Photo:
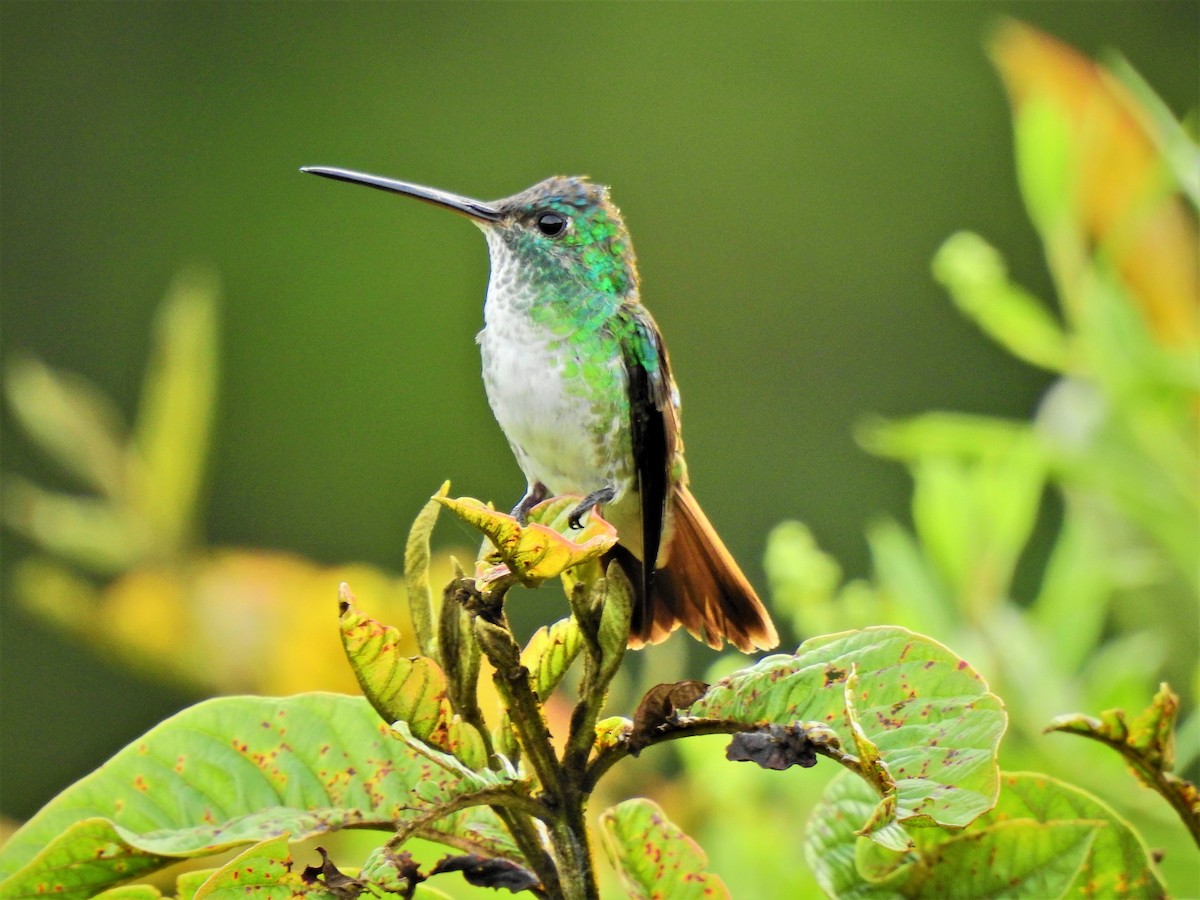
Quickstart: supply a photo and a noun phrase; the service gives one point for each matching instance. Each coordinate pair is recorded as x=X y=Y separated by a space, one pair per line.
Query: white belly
x=563 y=434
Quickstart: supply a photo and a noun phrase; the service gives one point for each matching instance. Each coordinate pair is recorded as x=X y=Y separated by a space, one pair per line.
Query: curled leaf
x=612 y=732
x=775 y=747
x=1147 y=744
x=416 y=573
x=490 y=872
x=543 y=548
x=657 y=710
x=550 y=653
x=329 y=876
x=407 y=689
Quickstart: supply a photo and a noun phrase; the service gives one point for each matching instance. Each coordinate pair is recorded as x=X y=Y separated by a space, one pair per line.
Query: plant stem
x=564 y=801
x=1180 y=794
x=610 y=756
x=570 y=838
x=529 y=841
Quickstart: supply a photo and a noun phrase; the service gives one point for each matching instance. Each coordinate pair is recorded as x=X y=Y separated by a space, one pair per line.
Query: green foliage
x=920 y=808
x=1147 y=743
x=923 y=711
x=1042 y=838
x=238 y=770
x=1113 y=606
x=143 y=485
x=677 y=867
x=417 y=759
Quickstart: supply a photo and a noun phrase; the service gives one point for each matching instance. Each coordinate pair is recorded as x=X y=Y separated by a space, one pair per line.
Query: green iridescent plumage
x=579 y=380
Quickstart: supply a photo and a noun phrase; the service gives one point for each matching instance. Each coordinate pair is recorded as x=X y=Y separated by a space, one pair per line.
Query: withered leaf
x=487 y=871
x=774 y=747
x=336 y=882
x=658 y=708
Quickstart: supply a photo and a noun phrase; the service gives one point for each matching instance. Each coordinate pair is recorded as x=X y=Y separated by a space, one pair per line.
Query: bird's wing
x=654 y=417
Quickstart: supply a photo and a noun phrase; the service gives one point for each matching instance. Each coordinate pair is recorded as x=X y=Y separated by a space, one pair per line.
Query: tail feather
x=700 y=588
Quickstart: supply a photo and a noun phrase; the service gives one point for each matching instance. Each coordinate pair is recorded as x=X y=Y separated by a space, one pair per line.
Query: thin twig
x=611 y=755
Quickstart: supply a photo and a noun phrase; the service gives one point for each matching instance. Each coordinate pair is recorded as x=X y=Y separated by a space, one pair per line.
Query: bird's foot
x=592 y=500
x=535 y=495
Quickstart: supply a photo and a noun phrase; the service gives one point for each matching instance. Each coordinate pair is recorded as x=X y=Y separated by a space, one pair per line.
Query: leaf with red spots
x=926 y=713
x=256 y=768
x=405 y=689
x=654 y=858
x=1044 y=838
x=543 y=548
x=261 y=872
x=550 y=653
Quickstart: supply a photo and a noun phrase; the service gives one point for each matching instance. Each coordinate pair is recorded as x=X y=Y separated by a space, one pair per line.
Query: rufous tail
x=701 y=588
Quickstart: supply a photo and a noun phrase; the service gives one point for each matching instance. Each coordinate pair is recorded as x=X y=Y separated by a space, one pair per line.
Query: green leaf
x=653 y=857
x=170 y=438
x=931 y=716
x=1043 y=839
x=1147 y=744
x=88 y=531
x=1119 y=864
x=233 y=771
x=1018 y=858
x=261 y=872
x=191 y=881
x=89 y=854
x=412 y=690
x=803 y=578
x=416 y=573
x=1079 y=581
x=940 y=434
x=974 y=273
x=73 y=422
x=1177 y=147
x=1046 y=164
x=907 y=582
x=550 y=653
x=978 y=489
x=615 y=598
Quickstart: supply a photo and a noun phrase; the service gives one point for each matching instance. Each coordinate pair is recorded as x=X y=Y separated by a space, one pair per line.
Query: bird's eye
x=551 y=224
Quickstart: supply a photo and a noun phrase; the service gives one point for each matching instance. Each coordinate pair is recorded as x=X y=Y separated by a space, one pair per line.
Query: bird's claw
x=590 y=502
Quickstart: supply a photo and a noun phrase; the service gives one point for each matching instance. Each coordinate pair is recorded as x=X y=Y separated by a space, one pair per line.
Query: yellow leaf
x=543 y=548
x=1123 y=191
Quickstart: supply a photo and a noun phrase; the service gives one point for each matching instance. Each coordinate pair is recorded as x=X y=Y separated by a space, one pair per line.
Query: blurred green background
x=787 y=172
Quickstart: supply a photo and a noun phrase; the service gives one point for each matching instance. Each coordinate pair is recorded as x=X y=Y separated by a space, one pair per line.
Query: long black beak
x=476 y=209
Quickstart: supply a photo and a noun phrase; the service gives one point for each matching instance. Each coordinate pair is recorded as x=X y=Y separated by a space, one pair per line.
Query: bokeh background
x=787 y=171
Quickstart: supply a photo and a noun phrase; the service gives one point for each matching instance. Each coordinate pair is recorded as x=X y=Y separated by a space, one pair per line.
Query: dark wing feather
x=654 y=425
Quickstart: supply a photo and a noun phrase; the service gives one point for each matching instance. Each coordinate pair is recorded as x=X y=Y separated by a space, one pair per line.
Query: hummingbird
x=578 y=378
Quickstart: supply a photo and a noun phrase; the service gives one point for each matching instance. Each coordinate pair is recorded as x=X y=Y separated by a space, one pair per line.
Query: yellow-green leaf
x=416 y=573
x=72 y=420
x=543 y=548
x=412 y=690
x=170 y=440
x=653 y=856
